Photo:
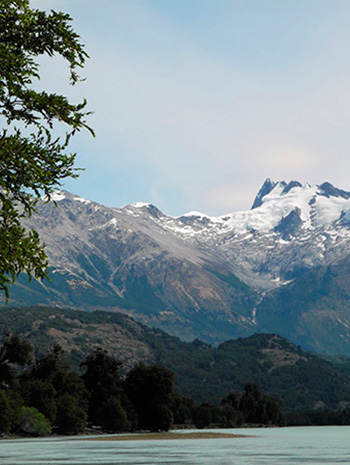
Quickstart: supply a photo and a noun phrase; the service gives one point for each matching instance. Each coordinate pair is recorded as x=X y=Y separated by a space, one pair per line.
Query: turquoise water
x=280 y=446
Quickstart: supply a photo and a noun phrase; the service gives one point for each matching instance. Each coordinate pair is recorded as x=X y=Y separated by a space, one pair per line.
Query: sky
x=196 y=102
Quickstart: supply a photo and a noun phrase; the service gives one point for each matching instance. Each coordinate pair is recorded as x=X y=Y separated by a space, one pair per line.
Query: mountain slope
x=201 y=276
x=104 y=258
x=313 y=310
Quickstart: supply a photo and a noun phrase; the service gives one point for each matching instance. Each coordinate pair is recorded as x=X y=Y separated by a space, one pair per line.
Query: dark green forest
x=56 y=377
x=43 y=395
x=203 y=374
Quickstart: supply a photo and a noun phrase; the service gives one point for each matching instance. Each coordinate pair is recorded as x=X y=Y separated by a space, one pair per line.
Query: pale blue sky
x=196 y=102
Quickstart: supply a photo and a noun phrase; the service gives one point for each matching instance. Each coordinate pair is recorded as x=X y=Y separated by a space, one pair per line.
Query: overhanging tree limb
x=33 y=162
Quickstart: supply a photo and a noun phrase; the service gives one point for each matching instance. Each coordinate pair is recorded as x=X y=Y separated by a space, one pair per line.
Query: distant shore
x=157 y=436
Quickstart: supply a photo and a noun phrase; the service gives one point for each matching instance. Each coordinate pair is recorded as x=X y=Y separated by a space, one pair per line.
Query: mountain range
x=281 y=267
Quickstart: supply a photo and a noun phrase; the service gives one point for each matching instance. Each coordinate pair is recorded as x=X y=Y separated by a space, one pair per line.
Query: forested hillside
x=300 y=379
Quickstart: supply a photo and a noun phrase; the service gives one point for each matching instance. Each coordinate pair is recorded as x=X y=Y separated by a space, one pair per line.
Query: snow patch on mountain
x=57 y=196
x=291 y=228
x=140 y=205
x=60 y=195
x=276 y=202
x=80 y=199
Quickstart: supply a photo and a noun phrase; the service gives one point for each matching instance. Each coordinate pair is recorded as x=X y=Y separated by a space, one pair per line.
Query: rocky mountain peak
x=328 y=190
x=325 y=189
x=265 y=189
x=138 y=208
x=279 y=188
x=290 y=186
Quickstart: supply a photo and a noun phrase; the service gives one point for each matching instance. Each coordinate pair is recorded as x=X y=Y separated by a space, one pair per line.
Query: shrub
x=33 y=422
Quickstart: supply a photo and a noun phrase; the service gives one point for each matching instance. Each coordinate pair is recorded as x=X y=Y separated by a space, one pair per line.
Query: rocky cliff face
x=195 y=275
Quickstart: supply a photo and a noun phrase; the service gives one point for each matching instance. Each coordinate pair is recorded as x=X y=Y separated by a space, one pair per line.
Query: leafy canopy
x=33 y=160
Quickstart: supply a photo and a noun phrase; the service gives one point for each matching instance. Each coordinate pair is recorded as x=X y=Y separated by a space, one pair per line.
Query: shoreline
x=166 y=436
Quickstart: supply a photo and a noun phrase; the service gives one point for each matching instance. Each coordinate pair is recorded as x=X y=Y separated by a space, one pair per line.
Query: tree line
x=40 y=395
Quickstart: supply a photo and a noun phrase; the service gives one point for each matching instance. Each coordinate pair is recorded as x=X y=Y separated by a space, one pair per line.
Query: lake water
x=277 y=446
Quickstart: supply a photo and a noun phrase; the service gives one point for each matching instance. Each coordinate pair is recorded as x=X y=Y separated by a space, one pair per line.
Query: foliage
x=46 y=395
x=14 y=351
x=71 y=416
x=150 y=389
x=33 y=422
x=320 y=417
x=182 y=408
x=300 y=379
x=237 y=409
x=5 y=412
x=206 y=374
x=102 y=380
x=202 y=415
x=40 y=394
x=260 y=408
x=113 y=416
x=33 y=158
x=53 y=388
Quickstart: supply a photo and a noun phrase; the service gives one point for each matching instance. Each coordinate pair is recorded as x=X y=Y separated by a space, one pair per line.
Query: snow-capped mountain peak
x=291 y=227
x=61 y=195
x=194 y=269
x=138 y=209
x=316 y=205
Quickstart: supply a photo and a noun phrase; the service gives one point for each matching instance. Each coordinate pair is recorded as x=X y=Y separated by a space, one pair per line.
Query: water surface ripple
x=275 y=446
